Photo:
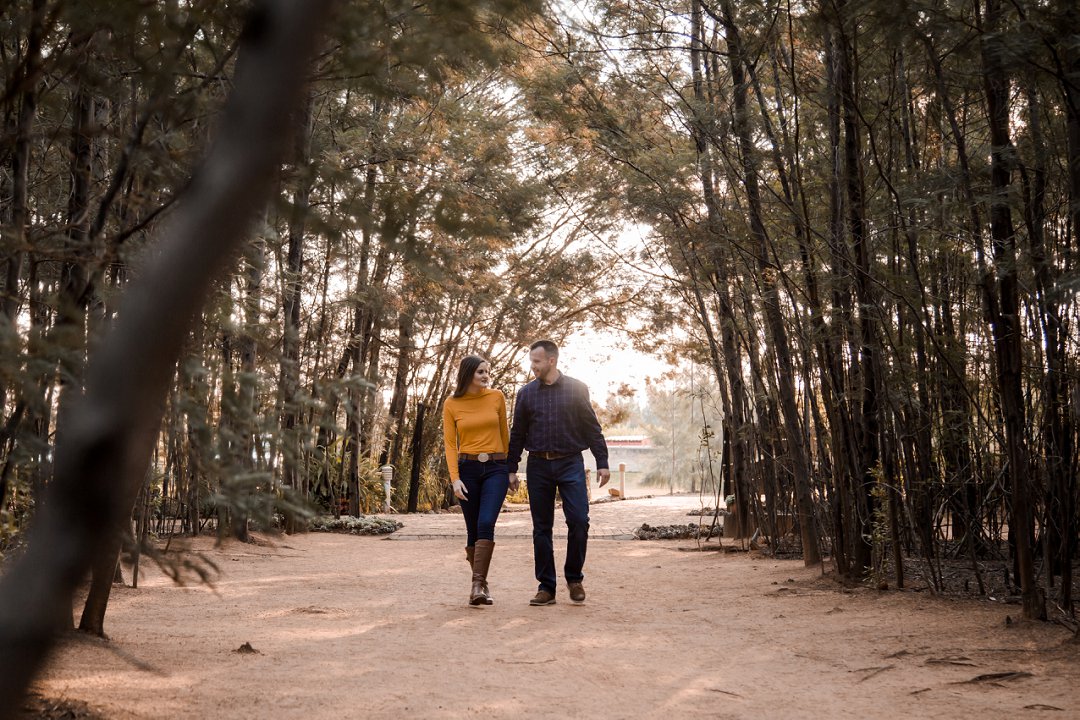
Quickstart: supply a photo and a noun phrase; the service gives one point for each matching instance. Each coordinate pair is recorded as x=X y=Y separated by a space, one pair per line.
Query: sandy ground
x=348 y=626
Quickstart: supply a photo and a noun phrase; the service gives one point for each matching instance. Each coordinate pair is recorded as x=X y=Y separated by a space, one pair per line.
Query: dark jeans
x=544 y=477
x=486 y=485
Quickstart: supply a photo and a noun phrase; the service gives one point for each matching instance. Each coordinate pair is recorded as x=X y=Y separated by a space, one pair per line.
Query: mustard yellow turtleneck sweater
x=474 y=424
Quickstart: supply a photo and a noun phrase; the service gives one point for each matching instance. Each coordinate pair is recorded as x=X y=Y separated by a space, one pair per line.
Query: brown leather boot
x=481 y=562
x=469 y=555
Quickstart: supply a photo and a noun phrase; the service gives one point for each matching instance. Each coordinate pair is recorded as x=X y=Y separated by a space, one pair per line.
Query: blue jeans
x=543 y=478
x=486 y=485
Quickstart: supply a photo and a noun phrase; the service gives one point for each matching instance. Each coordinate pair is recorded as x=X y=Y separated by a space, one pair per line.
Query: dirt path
x=369 y=627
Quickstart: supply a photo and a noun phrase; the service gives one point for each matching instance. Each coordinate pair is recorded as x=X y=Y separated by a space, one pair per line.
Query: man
x=555 y=422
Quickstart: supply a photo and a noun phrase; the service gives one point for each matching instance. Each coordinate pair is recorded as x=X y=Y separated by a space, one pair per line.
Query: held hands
x=459 y=490
x=604 y=474
x=514 y=482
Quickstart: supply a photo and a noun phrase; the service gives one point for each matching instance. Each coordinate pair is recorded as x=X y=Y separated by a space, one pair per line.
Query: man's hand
x=604 y=474
x=514 y=482
x=459 y=490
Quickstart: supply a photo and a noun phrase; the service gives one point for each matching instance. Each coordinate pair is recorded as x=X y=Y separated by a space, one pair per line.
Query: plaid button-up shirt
x=556 y=418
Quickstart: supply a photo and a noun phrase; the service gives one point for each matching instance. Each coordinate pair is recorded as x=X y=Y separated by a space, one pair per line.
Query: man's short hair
x=550 y=348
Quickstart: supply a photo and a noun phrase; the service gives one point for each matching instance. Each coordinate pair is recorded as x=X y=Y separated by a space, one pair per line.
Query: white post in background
x=588 y=484
x=387 y=477
x=622 y=480
x=671 y=479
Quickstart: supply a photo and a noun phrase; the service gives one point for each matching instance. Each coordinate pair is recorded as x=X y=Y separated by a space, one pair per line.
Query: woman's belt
x=482 y=457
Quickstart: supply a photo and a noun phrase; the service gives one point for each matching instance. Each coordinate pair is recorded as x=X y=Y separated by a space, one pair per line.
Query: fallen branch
x=876 y=671
x=995 y=677
x=951 y=660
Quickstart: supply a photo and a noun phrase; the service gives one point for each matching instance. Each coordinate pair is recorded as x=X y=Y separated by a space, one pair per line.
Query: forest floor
x=336 y=626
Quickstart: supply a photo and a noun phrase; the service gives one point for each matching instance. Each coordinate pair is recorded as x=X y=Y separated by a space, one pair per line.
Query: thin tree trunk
x=417 y=459
x=254 y=268
x=289 y=384
x=1057 y=432
x=846 y=447
x=1005 y=309
x=392 y=444
x=869 y=362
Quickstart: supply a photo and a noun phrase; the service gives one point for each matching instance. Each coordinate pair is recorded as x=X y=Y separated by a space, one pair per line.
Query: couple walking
x=555 y=422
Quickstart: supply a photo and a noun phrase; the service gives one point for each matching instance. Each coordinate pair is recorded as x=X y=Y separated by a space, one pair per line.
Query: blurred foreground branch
x=102 y=453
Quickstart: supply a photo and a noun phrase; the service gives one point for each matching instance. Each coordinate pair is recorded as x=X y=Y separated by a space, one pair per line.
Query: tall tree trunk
x=356 y=348
x=71 y=323
x=959 y=433
x=915 y=415
x=846 y=447
x=869 y=363
x=1005 y=308
x=289 y=383
x=1055 y=421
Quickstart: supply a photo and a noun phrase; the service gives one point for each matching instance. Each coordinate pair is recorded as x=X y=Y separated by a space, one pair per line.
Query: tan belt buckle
x=483 y=457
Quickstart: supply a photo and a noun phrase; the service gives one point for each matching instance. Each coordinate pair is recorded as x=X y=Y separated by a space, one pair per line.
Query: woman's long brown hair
x=465 y=373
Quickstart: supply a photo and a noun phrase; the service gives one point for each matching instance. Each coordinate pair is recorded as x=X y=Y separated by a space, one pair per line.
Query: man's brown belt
x=550 y=455
x=482 y=457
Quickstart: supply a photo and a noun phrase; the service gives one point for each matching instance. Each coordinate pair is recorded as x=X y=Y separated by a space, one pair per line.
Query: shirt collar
x=558 y=380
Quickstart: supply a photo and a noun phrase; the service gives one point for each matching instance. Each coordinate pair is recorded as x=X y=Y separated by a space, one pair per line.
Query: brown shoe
x=470 y=553
x=481 y=562
x=543 y=597
x=577 y=592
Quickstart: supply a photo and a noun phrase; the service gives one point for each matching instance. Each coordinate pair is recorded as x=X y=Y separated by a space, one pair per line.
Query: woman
x=476 y=436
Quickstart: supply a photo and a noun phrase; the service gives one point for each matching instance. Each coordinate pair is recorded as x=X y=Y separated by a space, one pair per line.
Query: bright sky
x=603 y=360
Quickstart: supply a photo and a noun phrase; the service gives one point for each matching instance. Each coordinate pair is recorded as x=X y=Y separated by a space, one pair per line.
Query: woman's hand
x=459 y=490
